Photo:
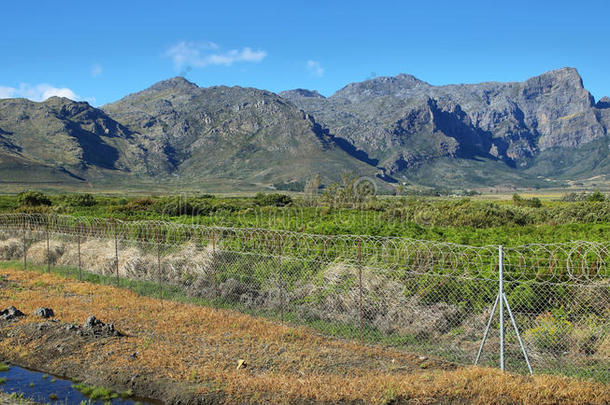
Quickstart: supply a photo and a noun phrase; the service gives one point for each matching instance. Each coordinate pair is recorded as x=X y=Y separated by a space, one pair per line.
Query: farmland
x=413 y=275
x=186 y=351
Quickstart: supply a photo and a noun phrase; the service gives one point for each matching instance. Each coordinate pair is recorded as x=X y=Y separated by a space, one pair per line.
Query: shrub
x=596 y=196
x=33 y=199
x=291 y=186
x=551 y=334
x=176 y=206
x=81 y=200
x=525 y=202
x=273 y=199
x=523 y=298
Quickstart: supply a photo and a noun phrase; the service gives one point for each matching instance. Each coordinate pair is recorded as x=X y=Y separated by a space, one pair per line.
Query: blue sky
x=101 y=51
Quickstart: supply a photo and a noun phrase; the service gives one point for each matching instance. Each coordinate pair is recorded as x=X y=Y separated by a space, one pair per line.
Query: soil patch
x=181 y=353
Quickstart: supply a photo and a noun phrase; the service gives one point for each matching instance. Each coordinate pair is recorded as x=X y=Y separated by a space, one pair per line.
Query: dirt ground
x=185 y=354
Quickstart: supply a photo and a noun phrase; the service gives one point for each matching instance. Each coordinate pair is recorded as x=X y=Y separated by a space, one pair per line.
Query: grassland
x=472 y=221
x=183 y=343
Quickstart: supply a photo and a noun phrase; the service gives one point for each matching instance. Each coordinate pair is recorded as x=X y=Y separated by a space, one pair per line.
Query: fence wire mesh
x=428 y=297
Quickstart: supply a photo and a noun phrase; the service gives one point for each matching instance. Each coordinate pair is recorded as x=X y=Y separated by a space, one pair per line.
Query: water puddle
x=45 y=388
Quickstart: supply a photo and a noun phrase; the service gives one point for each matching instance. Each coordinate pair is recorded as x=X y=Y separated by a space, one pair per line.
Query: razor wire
x=431 y=297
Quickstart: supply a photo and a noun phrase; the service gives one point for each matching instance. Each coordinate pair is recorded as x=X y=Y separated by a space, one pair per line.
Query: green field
x=474 y=221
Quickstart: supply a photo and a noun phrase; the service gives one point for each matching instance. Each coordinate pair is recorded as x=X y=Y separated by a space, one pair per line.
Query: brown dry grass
x=284 y=364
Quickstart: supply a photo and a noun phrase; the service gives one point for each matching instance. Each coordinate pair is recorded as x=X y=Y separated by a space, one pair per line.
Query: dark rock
x=44 y=312
x=603 y=103
x=10 y=313
x=92 y=322
x=98 y=328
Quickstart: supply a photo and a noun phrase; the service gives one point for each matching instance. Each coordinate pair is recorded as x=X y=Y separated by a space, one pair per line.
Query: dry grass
x=284 y=364
x=10 y=249
x=37 y=253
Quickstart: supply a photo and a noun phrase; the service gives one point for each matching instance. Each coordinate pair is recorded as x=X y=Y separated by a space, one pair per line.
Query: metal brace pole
x=503 y=300
x=491 y=316
x=512 y=318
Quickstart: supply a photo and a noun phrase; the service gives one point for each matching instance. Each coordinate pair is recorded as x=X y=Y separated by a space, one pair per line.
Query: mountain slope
x=229 y=132
x=544 y=131
x=406 y=124
x=63 y=136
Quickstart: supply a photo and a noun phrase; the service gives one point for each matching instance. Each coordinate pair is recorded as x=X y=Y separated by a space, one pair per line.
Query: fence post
x=279 y=271
x=116 y=252
x=501 y=293
x=360 y=288
x=80 y=264
x=25 y=249
x=48 y=245
x=159 y=275
x=214 y=270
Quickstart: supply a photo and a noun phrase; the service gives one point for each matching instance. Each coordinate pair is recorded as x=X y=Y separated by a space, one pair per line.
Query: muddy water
x=45 y=388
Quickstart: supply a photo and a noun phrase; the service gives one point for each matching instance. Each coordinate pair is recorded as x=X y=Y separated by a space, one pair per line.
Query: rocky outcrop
x=10 y=313
x=392 y=118
x=389 y=127
x=603 y=103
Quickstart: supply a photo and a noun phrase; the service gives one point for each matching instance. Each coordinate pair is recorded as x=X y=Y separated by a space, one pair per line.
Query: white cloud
x=315 y=68
x=39 y=92
x=96 y=70
x=202 y=54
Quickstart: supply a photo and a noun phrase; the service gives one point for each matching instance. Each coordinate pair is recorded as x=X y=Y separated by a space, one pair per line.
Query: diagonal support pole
x=512 y=318
x=491 y=316
x=502 y=300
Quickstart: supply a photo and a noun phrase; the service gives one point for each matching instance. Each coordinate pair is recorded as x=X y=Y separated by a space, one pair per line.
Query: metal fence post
x=116 y=252
x=159 y=275
x=48 y=245
x=501 y=294
x=80 y=263
x=502 y=300
x=25 y=249
x=214 y=270
x=360 y=288
x=279 y=271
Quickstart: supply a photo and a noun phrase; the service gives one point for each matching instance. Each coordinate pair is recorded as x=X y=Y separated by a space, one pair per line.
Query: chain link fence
x=427 y=297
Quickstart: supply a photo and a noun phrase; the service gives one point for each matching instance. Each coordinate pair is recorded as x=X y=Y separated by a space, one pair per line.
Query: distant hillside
x=422 y=132
x=545 y=131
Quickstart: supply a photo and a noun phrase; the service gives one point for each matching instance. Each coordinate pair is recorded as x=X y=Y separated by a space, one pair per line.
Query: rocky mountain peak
x=603 y=102
x=177 y=82
x=300 y=93
x=380 y=86
x=567 y=77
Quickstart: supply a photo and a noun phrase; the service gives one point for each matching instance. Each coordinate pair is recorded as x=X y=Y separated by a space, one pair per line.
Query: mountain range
x=545 y=131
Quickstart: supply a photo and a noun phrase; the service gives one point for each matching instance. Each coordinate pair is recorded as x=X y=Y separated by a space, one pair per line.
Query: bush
x=273 y=199
x=176 y=206
x=81 y=200
x=292 y=186
x=33 y=199
x=526 y=202
x=551 y=335
x=596 y=196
